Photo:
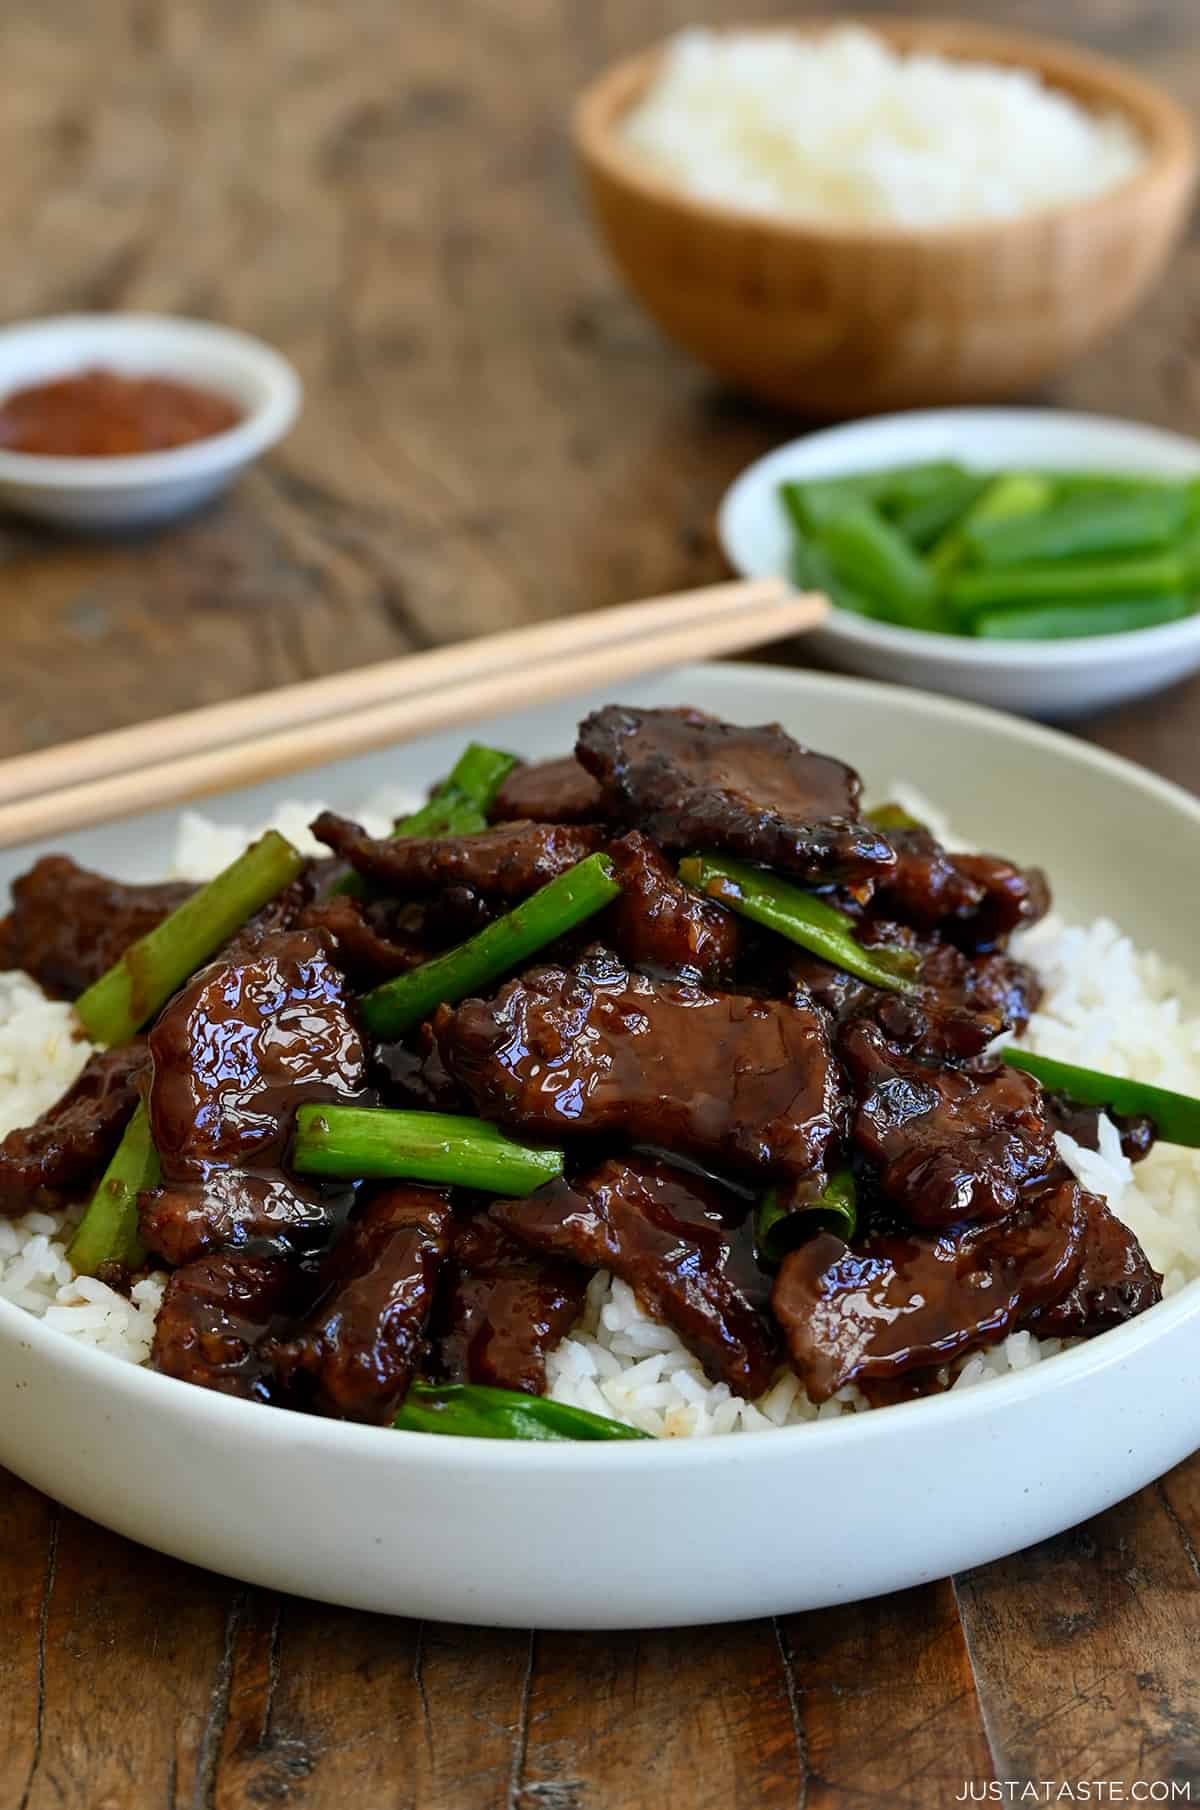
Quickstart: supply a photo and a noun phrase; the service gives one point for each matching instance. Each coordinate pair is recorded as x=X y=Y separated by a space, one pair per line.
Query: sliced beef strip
x=964 y=1001
x=358 y=1349
x=670 y=1237
x=1115 y=1282
x=897 y=1302
x=748 y=1084
x=549 y=791
x=248 y=1040
x=507 y=862
x=950 y=1144
x=214 y=1318
x=692 y=782
x=380 y=938
x=67 y=926
x=502 y=1308
x=661 y=925
x=976 y=900
x=65 y=1151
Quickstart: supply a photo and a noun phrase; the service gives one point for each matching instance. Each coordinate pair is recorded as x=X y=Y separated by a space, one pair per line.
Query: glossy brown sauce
x=100 y=414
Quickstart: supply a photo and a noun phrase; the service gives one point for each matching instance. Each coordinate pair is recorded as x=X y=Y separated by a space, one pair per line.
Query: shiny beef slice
x=949 y=1144
x=961 y=1004
x=691 y=782
x=671 y=1238
x=66 y=1150
x=748 y=1084
x=356 y=1353
x=214 y=1317
x=507 y=862
x=502 y=1308
x=548 y=791
x=1115 y=1282
x=976 y=900
x=67 y=926
x=660 y=924
x=247 y=1041
x=903 y=1301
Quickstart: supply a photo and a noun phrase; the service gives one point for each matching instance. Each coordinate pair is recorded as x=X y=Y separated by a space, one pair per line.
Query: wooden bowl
x=841 y=320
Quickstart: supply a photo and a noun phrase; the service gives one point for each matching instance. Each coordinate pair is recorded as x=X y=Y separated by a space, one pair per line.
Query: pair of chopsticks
x=200 y=752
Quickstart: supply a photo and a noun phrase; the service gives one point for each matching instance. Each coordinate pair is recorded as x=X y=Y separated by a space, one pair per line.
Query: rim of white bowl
x=863 y=631
x=470 y=1453
x=97 y=337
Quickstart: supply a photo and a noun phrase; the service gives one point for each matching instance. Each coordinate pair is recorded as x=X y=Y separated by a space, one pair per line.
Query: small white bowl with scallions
x=1037 y=561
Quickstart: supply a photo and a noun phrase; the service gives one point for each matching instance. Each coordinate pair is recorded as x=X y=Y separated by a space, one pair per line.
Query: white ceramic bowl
x=140 y=490
x=1038 y=678
x=643 y=1535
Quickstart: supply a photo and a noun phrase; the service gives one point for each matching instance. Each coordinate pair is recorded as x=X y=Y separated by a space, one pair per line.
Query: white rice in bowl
x=1107 y=1005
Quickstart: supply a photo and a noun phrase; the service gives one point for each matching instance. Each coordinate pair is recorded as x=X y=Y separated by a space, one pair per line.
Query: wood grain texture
x=493 y=434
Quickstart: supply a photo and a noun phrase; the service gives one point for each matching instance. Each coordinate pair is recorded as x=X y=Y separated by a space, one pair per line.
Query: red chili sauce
x=100 y=414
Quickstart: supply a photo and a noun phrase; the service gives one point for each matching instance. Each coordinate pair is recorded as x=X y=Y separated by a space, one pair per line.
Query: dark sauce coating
x=674 y=1240
x=214 y=1317
x=67 y=926
x=65 y=1151
x=962 y=1003
x=1115 y=1282
x=102 y=414
x=502 y=1308
x=949 y=1144
x=507 y=862
x=379 y=938
x=661 y=925
x=358 y=1349
x=247 y=1042
x=904 y=1301
x=975 y=900
x=692 y=782
x=1083 y=1124
x=595 y=1049
x=548 y=791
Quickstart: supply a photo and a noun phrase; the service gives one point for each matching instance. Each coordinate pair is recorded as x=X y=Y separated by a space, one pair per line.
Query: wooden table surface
x=492 y=433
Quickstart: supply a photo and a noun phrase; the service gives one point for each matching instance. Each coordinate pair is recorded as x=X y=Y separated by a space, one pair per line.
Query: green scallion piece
x=782 y=1221
x=1068 y=581
x=1013 y=494
x=470 y=1410
x=144 y=978
x=1073 y=621
x=1175 y=1117
x=1081 y=526
x=799 y=916
x=873 y=558
x=108 y=1231
x=447 y=1149
x=390 y=1010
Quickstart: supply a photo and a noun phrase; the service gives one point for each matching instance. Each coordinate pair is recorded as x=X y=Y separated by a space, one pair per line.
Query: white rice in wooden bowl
x=1107 y=1005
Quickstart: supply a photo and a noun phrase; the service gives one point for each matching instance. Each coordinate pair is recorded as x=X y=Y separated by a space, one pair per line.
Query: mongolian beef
x=674 y=1008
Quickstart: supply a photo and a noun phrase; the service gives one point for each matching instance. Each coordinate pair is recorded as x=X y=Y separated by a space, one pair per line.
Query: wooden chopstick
x=94 y=757
x=686 y=627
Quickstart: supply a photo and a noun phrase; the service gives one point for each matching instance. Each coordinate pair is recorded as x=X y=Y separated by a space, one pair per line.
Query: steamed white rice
x=1108 y=1005
x=842 y=127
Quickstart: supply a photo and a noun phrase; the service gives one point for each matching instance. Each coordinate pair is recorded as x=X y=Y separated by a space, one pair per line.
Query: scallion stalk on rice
x=473 y=1411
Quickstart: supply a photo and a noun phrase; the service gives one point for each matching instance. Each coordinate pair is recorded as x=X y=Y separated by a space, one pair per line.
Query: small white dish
x=691 y=1530
x=1037 y=678
x=140 y=490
